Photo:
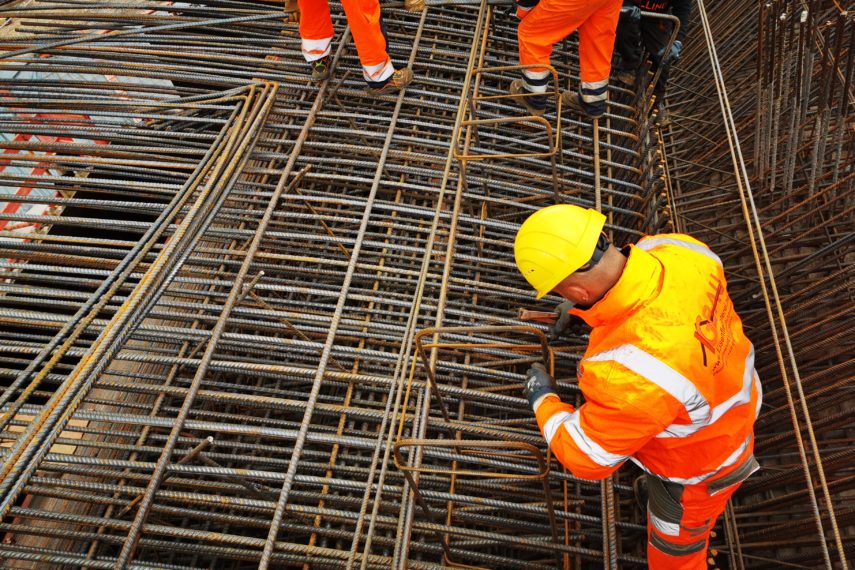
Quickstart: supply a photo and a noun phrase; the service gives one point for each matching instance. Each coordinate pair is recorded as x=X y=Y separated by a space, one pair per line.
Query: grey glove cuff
x=631 y=12
x=538 y=383
x=535 y=395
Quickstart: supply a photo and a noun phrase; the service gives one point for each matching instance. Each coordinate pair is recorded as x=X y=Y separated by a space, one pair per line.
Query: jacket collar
x=639 y=284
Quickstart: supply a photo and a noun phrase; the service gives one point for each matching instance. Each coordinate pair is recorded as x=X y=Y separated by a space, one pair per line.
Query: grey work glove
x=631 y=12
x=538 y=382
x=563 y=322
x=672 y=55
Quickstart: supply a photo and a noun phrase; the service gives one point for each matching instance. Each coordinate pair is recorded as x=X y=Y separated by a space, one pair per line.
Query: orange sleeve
x=595 y=440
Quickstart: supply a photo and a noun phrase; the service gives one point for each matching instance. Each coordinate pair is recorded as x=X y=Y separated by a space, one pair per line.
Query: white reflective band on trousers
x=379 y=72
x=314 y=50
x=536 y=81
x=589 y=447
x=666 y=528
x=593 y=91
x=532 y=74
x=650 y=243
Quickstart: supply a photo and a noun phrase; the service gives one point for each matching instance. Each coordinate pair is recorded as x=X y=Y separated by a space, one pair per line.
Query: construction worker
x=636 y=35
x=369 y=35
x=668 y=375
x=545 y=22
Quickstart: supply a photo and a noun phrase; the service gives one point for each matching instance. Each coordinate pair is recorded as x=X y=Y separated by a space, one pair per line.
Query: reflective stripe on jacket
x=668 y=376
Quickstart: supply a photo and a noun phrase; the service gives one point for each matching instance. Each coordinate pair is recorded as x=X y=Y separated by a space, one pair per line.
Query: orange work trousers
x=363 y=16
x=553 y=20
x=678 y=538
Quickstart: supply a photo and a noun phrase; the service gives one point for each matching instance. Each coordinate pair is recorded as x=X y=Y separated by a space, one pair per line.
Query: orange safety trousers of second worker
x=686 y=547
x=363 y=16
x=553 y=20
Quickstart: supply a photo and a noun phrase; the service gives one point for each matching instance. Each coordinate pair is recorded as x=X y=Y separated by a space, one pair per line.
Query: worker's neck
x=587 y=287
x=610 y=269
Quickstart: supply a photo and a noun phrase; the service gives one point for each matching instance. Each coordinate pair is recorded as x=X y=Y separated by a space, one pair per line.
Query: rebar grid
x=225 y=394
x=209 y=341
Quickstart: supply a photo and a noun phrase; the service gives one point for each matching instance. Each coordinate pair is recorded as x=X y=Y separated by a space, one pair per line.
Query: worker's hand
x=563 y=322
x=524 y=7
x=538 y=383
x=632 y=13
x=672 y=55
x=676 y=48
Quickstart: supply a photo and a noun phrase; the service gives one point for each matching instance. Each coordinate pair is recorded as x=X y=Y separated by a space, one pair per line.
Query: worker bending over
x=369 y=35
x=545 y=22
x=668 y=375
x=636 y=34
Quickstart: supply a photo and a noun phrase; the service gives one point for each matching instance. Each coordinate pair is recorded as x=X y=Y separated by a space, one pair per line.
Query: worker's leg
x=628 y=38
x=368 y=35
x=655 y=35
x=316 y=29
x=596 y=44
x=547 y=23
x=679 y=521
x=628 y=44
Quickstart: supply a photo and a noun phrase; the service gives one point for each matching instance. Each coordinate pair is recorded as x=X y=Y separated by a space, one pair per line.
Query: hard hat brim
x=554 y=242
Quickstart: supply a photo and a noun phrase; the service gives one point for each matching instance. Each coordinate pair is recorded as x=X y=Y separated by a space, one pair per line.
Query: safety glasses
x=599 y=250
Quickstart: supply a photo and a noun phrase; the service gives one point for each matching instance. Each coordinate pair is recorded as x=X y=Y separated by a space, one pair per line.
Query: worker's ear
x=573 y=292
x=581 y=295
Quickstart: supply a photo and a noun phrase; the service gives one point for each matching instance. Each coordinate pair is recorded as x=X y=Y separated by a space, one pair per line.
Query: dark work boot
x=534 y=104
x=574 y=102
x=397 y=81
x=321 y=68
x=626 y=75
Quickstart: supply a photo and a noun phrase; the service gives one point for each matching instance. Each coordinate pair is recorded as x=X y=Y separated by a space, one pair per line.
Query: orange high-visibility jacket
x=668 y=376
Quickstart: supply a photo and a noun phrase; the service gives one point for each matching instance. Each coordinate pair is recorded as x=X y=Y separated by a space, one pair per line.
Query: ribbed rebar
x=168 y=279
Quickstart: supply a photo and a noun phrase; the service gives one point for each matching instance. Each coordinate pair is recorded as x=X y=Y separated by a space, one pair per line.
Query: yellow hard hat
x=554 y=242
